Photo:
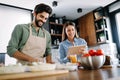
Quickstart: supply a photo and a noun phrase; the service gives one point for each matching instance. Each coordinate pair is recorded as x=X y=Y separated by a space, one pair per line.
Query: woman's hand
x=82 y=50
x=68 y=56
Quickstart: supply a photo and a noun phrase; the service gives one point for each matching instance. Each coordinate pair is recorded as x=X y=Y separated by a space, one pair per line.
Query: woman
x=70 y=38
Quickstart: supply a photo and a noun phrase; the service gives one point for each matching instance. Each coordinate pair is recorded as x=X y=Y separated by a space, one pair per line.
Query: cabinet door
x=87 y=29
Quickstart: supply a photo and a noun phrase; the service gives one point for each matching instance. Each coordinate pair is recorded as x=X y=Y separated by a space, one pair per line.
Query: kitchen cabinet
x=56 y=26
x=101 y=28
x=87 y=28
x=94 y=27
x=55 y=29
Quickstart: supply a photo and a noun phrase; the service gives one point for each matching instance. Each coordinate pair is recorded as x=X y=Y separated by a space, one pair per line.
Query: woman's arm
x=63 y=55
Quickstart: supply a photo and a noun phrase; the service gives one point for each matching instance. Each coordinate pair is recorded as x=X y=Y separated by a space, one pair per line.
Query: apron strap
x=30 y=29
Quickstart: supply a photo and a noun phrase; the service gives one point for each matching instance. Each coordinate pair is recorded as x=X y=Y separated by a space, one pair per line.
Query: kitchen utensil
x=92 y=62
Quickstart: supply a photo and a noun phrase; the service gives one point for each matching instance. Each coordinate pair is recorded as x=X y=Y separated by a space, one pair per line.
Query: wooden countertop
x=81 y=74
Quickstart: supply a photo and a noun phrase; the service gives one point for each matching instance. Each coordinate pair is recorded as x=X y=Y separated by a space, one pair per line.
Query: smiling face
x=70 y=32
x=41 y=18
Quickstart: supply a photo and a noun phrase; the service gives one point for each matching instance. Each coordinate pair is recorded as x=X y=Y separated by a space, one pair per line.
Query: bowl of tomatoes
x=93 y=59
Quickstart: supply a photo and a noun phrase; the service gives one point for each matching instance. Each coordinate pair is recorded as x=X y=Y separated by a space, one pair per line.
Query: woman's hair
x=64 y=35
x=42 y=8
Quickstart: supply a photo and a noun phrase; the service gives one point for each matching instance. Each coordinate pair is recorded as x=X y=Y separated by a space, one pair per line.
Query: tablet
x=75 y=49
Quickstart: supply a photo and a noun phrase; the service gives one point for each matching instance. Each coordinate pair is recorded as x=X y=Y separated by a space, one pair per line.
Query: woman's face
x=70 y=31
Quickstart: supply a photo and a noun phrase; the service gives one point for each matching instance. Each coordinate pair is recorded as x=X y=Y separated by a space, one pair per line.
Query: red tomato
x=99 y=52
x=92 y=52
x=86 y=55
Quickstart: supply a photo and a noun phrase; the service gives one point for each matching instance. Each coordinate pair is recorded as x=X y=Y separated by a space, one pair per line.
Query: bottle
x=56 y=21
x=57 y=41
x=52 y=31
x=60 y=21
x=54 y=42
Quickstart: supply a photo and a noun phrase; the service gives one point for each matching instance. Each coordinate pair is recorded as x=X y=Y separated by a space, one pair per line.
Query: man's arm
x=49 y=59
x=21 y=56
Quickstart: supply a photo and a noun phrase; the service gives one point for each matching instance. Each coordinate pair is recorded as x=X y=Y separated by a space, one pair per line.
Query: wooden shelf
x=99 y=30
x=100 y=21
x=100 y=18
x=102 y=42
x=53 y=23
x=56 y=34
x=56 y=28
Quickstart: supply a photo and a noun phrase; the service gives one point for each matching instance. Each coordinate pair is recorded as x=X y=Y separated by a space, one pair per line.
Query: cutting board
x=32 y=74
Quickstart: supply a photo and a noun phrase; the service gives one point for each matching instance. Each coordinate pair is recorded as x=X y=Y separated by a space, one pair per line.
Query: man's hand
x=49 y=60
x=21 y=56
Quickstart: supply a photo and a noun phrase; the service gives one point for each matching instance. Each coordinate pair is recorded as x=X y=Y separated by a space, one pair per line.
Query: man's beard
x=37 y=23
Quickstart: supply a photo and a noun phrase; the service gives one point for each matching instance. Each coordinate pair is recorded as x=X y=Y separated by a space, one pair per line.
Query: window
x=114 y=15
x=9 y=17
x=117 y=17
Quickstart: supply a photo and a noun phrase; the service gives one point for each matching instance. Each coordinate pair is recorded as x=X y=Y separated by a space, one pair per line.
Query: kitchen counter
x=81 y=74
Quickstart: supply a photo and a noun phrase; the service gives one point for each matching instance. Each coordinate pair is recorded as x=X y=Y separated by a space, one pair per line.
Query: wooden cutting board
x=32 y=74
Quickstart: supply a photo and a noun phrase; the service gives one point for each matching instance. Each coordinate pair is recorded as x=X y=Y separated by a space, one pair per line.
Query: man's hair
x=42 y=8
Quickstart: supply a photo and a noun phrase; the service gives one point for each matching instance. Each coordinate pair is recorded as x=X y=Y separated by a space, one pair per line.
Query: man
x=31 y=42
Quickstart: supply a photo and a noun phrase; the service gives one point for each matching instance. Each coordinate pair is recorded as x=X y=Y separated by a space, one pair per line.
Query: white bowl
x=67 y=66
x=93 y=62
x=42 y=67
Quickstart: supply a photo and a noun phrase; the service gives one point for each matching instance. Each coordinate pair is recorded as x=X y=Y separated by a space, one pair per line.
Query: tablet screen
x=75 y=49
